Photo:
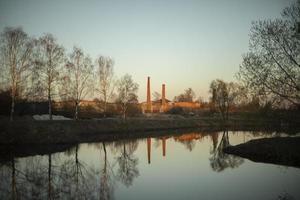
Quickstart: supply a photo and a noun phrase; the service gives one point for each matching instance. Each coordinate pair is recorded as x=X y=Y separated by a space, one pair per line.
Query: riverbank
x=279 y=150
x=28 y=131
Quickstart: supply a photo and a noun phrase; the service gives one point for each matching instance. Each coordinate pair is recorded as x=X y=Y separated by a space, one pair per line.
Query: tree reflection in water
x=57 y=176
x=220 y=160
x=13 y=179
x=77 y=179
x=127 y=162
x=31 y=179
x=189 y=144
x=106 y=178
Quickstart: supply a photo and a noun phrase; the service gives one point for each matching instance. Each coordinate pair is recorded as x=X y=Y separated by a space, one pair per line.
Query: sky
x=181 y=43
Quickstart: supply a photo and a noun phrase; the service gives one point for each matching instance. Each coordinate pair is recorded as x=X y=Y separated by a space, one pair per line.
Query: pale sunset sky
x=182 y=43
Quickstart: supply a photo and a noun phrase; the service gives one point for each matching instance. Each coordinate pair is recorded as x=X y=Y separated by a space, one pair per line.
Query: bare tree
x=156 y=95
x=272 y=65
x=127 y=93
x=50 y=58
x=187 y=96
x=106 y=80
x=223 y=96
x=78 y=81
x=16 y=50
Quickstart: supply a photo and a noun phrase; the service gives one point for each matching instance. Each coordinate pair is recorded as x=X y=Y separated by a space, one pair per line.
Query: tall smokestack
x=148 y=95
x=163 y=94
x=163 y=98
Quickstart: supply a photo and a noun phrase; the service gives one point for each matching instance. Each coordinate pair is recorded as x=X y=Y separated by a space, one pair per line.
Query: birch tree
x=49 y=62
x=16 y=51
x=78 y=80
x=127 y=93
x=106 y=83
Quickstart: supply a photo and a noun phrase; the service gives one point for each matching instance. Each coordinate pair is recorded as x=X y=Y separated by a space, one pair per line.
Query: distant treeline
x=40 y=70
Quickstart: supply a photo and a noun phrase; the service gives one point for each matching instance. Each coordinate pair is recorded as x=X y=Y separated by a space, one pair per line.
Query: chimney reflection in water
x=164 y=146
x=149 y=150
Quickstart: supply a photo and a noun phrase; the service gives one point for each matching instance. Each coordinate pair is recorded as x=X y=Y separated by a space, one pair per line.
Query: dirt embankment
x=279 y=150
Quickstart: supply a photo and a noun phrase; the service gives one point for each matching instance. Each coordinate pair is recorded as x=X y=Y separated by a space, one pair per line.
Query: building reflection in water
x=188 y=140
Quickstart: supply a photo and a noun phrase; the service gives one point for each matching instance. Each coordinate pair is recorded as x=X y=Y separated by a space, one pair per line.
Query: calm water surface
x=188 y=166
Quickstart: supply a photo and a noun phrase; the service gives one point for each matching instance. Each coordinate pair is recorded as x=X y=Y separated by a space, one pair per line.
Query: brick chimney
x=163 y=98
x=148 y=96
x=163 y=94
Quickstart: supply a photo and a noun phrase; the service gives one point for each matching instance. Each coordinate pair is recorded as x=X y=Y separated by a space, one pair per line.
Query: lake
x=175 y=166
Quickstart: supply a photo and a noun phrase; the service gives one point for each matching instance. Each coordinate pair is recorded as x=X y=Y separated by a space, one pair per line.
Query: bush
x=5 y=102
x=133 y=110
x=176 y=111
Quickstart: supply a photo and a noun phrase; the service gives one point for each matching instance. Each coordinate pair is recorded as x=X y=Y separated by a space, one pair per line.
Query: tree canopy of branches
x=272 y=65
x=78 y=80
x=187 y=96
x=49 y=62
x=156 y=96
x=127 y=93
x=16 y=51
x=106 y=82
x=223 y=95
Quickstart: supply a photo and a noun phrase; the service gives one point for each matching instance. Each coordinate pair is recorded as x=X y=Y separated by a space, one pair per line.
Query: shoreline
x=278 y=150
x=70 y=131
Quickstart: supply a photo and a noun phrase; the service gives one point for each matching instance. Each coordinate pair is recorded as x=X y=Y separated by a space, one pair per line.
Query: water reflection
x=127 y=162
x=188 y=140
x=100 y=170
x=106 y=177
x=149 y=150
x=220 y=160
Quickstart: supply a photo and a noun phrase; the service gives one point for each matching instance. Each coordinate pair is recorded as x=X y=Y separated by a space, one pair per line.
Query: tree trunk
x=124 y=112
x=105 y=109
x=12 y=109
x=227 y=110
x=76 y=110
x=49 y=105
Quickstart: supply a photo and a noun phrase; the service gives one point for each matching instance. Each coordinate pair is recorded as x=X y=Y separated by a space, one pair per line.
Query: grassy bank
x=52 y=132
x=281 y=150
